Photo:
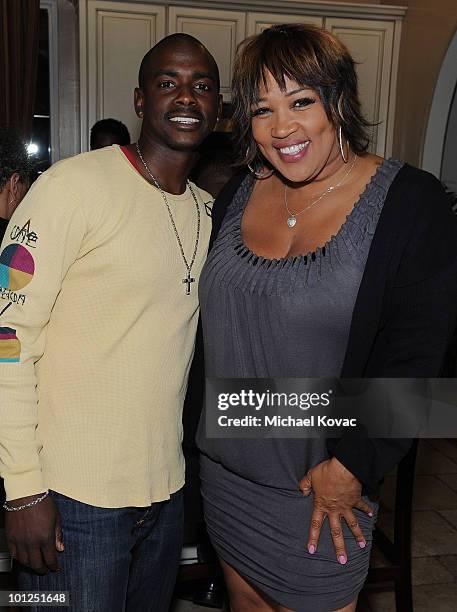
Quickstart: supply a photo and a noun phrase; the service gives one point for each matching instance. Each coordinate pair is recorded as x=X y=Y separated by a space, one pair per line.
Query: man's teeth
x=186 y=120
x=294 y=149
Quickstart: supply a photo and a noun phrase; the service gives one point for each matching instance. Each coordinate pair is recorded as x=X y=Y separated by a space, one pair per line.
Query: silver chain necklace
x=188 y=280
x=292 y=218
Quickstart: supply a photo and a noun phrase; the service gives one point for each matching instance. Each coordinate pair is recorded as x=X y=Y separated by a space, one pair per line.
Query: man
x=107 y=132
x=103 y=318
x=15 y=170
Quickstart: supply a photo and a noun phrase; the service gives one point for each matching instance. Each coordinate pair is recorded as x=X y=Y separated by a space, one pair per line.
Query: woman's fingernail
x=370 y=514
x=311 y=549
x=342 y=559
x=362 y=544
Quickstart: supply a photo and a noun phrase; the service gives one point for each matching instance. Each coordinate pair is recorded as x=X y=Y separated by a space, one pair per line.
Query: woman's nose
x=283 y=125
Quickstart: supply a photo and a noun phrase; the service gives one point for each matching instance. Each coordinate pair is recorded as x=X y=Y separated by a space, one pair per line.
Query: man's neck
x=170 y=168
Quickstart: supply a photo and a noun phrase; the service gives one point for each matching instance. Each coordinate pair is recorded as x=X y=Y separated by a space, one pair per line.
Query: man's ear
x=138 y=102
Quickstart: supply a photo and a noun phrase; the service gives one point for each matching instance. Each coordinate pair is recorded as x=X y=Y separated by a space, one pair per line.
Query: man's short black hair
x=110 y=126
x=177 y=37
x=13 y=156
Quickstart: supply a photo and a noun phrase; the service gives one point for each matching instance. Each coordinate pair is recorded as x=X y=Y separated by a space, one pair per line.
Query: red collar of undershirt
x=131 y=157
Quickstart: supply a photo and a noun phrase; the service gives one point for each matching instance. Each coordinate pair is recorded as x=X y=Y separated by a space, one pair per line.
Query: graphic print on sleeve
x=10 y=347
x=16 y=267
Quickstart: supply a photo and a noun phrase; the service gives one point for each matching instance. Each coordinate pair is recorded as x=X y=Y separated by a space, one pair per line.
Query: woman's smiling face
x=292 y=130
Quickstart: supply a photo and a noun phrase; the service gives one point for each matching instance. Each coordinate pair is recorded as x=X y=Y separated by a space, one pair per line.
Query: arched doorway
x=449 y=163
x=440 y=113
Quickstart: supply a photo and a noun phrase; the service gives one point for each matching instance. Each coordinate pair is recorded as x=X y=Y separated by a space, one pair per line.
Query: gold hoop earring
x=340 y=142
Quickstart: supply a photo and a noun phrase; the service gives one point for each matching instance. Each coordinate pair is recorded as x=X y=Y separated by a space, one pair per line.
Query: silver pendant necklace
x=188 y=280
x=292 y=218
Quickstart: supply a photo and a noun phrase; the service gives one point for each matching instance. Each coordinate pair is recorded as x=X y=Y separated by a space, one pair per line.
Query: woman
x=330 y=261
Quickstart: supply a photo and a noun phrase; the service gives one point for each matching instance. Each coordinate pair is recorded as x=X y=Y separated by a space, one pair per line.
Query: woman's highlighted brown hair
x=313 y=58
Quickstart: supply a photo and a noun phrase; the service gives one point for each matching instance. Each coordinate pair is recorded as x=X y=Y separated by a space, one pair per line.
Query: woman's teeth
x=294 y=149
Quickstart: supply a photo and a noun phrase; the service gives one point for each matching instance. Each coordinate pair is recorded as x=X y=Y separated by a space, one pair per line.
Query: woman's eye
x=260 y=111
x=166 y=84
x=303 y=102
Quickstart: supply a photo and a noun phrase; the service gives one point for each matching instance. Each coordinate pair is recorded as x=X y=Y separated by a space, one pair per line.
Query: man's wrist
x=15 y=505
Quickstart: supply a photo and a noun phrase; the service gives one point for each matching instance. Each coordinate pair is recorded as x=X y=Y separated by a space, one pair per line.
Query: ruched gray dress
x=281 y=318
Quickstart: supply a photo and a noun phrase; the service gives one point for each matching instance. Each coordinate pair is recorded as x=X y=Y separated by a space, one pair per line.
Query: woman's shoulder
x=418 y=192
x=425 y=225
x=418 y=179
x=418 y=182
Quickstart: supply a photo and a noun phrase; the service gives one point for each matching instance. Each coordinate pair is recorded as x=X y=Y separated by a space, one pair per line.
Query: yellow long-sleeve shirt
x=96 y=334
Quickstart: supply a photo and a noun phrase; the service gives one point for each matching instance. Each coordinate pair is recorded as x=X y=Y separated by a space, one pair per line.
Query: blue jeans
x=115 y=559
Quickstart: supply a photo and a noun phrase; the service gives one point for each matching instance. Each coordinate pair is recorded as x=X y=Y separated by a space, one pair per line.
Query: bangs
x=270 y=53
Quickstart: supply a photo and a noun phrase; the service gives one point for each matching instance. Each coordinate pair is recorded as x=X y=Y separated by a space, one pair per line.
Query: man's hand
x=34 y=534
x=336 y=491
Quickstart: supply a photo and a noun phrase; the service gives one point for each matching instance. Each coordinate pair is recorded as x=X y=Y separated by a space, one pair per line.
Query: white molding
x=432 y=157
x=83 y=72
x=257 y=18
x=51 y=7
x=91 y=72
x=299 y=7
x=197 y=22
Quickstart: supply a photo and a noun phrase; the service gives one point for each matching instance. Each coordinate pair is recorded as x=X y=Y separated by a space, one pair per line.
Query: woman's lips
x=293 y=152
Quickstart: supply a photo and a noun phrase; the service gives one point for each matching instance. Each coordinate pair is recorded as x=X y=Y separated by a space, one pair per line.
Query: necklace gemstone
x=291 y=221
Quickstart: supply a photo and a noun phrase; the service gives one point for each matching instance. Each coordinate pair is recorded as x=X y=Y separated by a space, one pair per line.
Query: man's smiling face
x=179 y=97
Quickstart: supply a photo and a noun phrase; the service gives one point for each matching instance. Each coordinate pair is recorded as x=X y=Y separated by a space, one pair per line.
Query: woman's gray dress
x=281 y=318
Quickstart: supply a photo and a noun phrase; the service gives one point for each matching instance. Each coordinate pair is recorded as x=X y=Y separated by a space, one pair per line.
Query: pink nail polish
x=370 y=514
x=342 y=559
x=362 y=544
x=311 y=549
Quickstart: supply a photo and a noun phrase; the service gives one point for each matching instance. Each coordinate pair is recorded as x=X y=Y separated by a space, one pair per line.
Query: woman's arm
x=416 y=328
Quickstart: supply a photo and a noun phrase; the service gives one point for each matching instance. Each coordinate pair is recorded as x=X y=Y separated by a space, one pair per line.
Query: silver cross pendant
x=188 y=280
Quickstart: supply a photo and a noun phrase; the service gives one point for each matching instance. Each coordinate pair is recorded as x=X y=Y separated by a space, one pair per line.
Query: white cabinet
x=220 y=31
x=257 y=22
x=115 y=35
x=371 y=45
x=118 y=36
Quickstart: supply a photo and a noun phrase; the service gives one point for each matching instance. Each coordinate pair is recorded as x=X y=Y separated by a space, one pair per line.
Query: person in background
x=96 y=348
x=15 y=169
x=107 y=132
x=327 y=261
x=215 y=166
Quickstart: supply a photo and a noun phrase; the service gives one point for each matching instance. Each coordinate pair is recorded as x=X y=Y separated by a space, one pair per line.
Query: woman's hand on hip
x=336 y=491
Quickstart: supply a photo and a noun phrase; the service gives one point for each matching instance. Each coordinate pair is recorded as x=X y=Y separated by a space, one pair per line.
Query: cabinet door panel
x=370 y=43
x=119 y=34
x=219 y=31
x=257 y=22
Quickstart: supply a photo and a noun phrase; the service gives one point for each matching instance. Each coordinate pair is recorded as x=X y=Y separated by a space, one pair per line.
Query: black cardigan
x=405 y=313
